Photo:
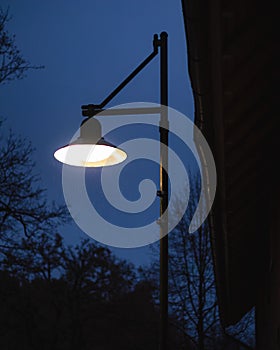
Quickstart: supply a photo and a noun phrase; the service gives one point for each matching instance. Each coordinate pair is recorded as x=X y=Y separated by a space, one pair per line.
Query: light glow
x=90 y=155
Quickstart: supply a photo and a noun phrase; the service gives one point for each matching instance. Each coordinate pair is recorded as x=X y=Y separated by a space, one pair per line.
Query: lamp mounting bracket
x=91 y=110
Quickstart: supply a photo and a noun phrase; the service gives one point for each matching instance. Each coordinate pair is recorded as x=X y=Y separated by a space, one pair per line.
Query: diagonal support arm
x=92 y=109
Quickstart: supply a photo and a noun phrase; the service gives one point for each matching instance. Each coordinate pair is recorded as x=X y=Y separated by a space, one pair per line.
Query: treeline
x=82 y=297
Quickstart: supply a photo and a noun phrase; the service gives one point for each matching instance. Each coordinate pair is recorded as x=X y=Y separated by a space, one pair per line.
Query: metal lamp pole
x=93 y=109
x=163 y=127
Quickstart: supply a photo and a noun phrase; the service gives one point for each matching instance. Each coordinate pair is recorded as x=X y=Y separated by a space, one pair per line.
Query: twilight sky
x=87 y=48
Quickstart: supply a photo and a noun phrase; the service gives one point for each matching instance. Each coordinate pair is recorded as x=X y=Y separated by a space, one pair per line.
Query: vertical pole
x=163 y=333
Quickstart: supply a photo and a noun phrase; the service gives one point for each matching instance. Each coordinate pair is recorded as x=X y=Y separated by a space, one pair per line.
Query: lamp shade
x=90 y=149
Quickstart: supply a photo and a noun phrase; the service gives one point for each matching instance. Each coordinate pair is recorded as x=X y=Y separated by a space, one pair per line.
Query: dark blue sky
x=87 y=48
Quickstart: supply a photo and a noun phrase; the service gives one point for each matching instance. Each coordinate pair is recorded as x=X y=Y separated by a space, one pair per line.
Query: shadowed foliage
x=94 y=301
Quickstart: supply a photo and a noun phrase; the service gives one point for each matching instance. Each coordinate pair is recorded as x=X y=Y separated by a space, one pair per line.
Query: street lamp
x=91 y=150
